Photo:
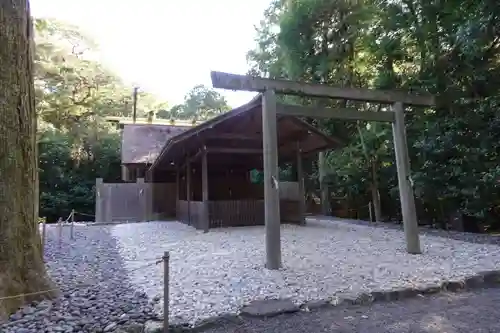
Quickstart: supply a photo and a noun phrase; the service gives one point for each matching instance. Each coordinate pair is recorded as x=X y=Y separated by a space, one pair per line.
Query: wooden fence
x=134 y=202
x=248 y=212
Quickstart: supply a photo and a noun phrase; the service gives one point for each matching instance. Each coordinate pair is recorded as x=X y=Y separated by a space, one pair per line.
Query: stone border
x=486 y=279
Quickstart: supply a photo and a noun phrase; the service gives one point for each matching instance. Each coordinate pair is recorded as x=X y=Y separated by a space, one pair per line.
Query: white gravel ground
x=218 y=272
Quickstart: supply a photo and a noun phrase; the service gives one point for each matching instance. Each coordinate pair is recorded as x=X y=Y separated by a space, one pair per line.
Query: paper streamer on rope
x=275 y=183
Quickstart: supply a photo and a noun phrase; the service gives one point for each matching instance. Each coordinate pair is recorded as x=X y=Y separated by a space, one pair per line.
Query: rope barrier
x=69 y=216
x=146 y=266
x=357 y=209
x=84 y=214
x=28 y=294
x=72 y=214
x=143 y=260
x=156 y=262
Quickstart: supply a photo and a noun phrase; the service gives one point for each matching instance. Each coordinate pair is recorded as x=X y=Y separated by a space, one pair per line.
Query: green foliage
x=74 y=92
x=71 y=86
x=75 y=145
x=69 y=167
x=256 y=176
x=200 y=103
x=448 y=48
x=285 y=174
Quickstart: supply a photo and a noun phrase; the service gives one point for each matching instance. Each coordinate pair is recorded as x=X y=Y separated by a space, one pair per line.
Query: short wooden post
x=125 y=173
x=109 y=209
x=72 y=235
x=177 y=189
x=143 y=198
x=370 y=211
x=59 y=230
x=204 y=188
x=271 y=181
x=44 y=234
x=177 y=183
x=188 y=189
x=99 y=199
x=166 y=259
x=410 y=221
x=300 y=180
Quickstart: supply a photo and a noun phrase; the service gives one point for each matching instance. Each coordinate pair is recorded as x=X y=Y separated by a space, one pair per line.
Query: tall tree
x=22 y=269
x=74 y=92
x=448 y=48
x=200 y=103
x=73 y=88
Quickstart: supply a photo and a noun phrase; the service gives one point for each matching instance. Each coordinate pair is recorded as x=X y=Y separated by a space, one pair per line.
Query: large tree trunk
x=22 y=270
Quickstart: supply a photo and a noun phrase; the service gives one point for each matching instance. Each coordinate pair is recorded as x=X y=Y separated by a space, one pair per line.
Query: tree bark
x=22 y=269
x=375 y=192
x=325 y=194
x=374 y=185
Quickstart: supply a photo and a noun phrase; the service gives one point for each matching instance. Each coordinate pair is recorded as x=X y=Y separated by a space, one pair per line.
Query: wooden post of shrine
x=188 y=188
x=271 y=181
x=300 y=181
x=409 y=213
x=204 y=187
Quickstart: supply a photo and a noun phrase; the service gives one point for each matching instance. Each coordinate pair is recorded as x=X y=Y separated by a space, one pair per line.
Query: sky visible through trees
x=376 y=44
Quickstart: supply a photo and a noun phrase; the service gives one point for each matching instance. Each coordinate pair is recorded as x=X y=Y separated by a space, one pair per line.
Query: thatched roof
x=244 y=122
x=142 y=143
x=157 y=121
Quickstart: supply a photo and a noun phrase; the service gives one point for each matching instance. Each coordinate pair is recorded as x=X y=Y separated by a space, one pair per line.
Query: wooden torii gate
x=271 y=108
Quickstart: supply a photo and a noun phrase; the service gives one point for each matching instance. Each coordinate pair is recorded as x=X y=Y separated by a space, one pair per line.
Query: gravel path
x=462 y=236
x=104 y=284
x=471 y=312
x=96 y=295
x=222 y=270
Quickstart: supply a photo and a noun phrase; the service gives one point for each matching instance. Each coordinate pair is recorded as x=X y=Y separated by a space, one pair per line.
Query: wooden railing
x=233 y=213
x=182 y=211
x=190 y=213
x=196 y=210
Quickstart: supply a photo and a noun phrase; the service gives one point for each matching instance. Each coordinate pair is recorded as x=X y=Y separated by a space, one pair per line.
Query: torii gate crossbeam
x=270 y=109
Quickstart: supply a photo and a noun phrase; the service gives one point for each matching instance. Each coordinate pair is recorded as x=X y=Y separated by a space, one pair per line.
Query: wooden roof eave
x=332 y=142
x=203 y=127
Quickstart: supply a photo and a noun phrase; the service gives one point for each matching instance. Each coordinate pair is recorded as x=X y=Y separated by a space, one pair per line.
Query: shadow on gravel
x=461 y=236
x=96 y=293
x=451 y=313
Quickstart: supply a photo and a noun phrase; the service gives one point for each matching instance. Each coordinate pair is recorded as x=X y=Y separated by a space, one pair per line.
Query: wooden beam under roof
x=233 y=136
x=336 y=113
x=252 y=83
x=224 y=150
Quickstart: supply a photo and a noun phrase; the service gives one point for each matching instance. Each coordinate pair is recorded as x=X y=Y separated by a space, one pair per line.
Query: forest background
x=410 y=45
